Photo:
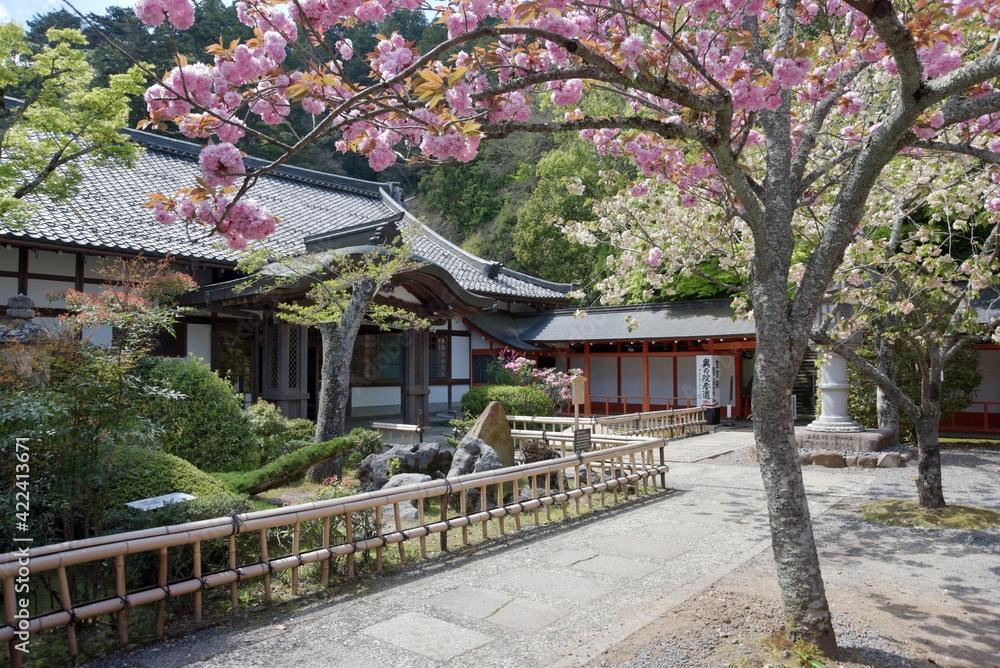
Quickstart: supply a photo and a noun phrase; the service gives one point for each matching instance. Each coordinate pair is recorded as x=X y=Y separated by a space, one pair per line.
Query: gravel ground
x=899 y=597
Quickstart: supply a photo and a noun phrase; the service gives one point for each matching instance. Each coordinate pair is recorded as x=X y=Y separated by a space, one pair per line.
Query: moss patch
x=906 y=513
x=137 y=473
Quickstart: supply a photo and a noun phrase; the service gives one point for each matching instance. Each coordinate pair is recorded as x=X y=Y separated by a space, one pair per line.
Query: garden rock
x=888 y=460
x=407 y=510
x=804 y=458
x=473 y=455
x=538 y=451
x=828 y=458
x=867 y=461
x=492 y=427
x=851 y=460
x=431 y=459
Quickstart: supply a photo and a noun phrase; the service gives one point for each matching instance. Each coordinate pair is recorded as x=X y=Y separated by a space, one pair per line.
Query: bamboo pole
x=517 y=499
x=264 y=559
x=534 y=495
x=197 y=574
x=325 y=578
x=120 y=591
x=444 y=517
x=9 y=611
x=295 y=550
x=161 y=614
x=562 y=490
x=482 y=507
x=378 y=532
x=461 y=509
x=399 y=528
x=421 y=520
x=67 y=605
x=349 y=538
x=234 y=597
x=548 y=492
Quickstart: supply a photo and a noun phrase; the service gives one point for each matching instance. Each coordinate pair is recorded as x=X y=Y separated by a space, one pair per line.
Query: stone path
x=553 y=598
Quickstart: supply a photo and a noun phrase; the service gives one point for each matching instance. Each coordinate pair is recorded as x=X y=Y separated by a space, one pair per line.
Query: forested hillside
x=498 y=206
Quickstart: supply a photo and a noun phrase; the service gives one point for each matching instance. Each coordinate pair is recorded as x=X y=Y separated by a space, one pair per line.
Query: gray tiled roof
x=676 y=320
x=108 y=215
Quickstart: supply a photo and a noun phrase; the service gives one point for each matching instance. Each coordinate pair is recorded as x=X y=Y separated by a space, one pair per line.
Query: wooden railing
x=387 y=430
x=616 y=468
x=616 y=404
x=652 y=424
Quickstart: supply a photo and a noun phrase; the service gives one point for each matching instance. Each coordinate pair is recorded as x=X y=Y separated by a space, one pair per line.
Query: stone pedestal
x=833 y=414
x=870 y=440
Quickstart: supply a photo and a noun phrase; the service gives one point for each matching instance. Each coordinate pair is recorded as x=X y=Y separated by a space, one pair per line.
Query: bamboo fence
x=618 y=466
x=387 y=430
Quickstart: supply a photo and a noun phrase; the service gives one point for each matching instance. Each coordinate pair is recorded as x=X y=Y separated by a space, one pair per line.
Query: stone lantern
x=17 y=326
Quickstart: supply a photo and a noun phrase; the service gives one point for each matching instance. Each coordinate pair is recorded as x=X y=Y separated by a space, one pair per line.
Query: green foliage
x=395 y=466
x=139 y=473
x=300 y=429
x=62 y=119
x=286 y=466
x=208 y=427
x=540 y=246
x=961 y=380
x=363 y=523
x=516 y=400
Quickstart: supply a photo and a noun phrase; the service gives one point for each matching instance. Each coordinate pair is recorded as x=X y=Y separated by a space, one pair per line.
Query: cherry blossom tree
x=777 y=115
x=923 y=258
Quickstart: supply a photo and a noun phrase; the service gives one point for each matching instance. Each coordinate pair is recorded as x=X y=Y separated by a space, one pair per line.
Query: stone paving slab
x=428 y=636
x=552 y=597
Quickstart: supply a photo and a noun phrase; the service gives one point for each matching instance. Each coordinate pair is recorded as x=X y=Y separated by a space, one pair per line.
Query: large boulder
x=492 y=427
x=473 y=455
x=407 y=510
x=431 y=459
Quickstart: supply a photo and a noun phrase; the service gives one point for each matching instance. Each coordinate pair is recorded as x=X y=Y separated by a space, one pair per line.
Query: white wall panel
x=50 y=262
x=661 y=376
x=632 y=376
x=99 y=336
x=989 y=366
x=604 y=375
x=478 y=341
x=9 y=258
x=458 y=326
x=37 y=289
x=456 y=395
x=459 y=357
x=687 y=384
x=8 y=288
x=438 y=397
x=199 y=342
x=371 y=401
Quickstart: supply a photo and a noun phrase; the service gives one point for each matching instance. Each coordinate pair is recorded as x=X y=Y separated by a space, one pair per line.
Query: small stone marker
x=581 y=440
x=156 y=502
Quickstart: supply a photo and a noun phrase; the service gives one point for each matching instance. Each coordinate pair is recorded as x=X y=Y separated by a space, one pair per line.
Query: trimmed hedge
x=138 y=473
x=210 y=429
x=285 y=468
x=516 y=400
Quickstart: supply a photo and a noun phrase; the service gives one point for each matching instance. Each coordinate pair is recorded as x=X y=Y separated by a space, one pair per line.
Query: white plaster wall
x=375 y=401
x=478 y=341
x=37 y=289
x=438 y=398
x=661 y=376
x=90 y=264
x=8 y=259
x=50 y=262
x=989 y=366
x=8 y=288
x=458 y=326
x=460 y=358
x=727 y=378
x=456 y=394
x=632 y=376
x=687 y=386
x=604 y=375
x=199 y=342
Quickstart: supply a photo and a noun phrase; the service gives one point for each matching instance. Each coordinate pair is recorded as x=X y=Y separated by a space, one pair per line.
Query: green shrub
x=516 y=400
x=363 y=522
x=285 y=468
x=301 y=429
x=209 y=428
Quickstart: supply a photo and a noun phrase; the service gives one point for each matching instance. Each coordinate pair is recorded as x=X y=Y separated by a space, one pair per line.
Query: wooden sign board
x=581 y=440
x=579 y=383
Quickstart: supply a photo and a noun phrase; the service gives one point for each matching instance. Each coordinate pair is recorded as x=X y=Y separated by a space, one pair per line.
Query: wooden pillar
x=22 y=272
x=645 y=376
x=416 y=372
x=738 y=390
x=284 y=367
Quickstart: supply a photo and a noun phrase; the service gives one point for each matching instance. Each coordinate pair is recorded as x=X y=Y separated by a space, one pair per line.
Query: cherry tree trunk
x=807 y=612
x=338 y=347
x=888 y=412
x=930 y=493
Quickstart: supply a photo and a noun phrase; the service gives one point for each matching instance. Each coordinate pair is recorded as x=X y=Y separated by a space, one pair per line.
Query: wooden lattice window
x=440 y=356
x=377 y=357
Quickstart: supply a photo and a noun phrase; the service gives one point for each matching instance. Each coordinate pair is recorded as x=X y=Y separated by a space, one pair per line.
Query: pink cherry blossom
x=221 y=164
